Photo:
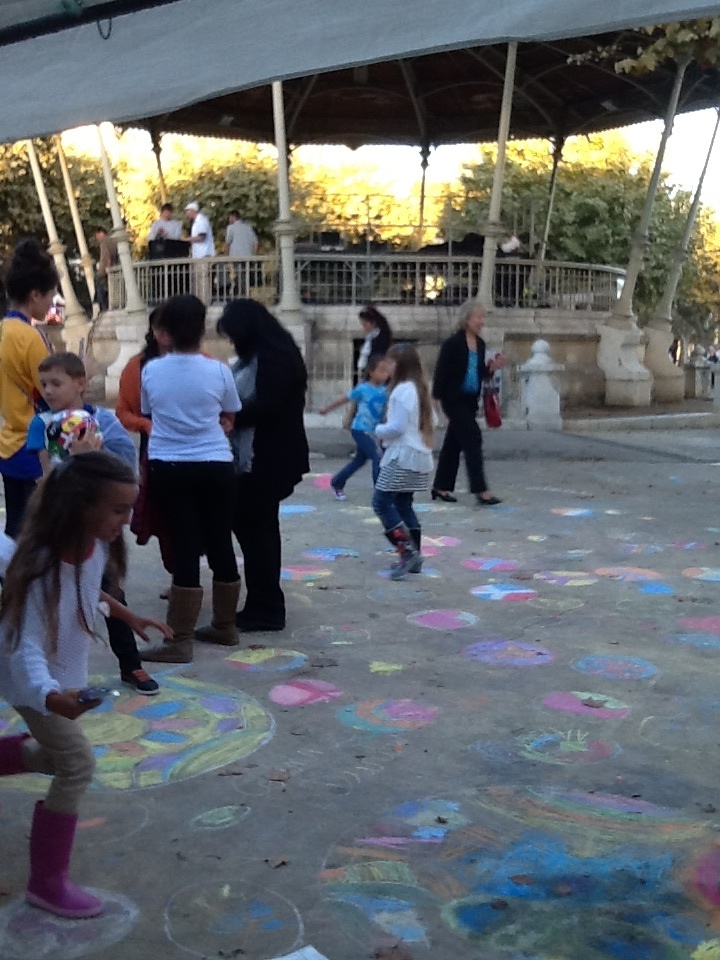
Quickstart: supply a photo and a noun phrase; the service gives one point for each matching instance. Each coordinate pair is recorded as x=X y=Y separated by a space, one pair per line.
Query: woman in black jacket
x=378 y=337
x=271 y=450
x=457 y=384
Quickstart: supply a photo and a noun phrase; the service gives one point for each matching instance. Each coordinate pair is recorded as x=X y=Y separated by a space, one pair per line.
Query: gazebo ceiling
x=450 y=97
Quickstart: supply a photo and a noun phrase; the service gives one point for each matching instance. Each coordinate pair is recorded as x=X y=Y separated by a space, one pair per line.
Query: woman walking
x=459 y=374
x=271 y=451
x=378 y=337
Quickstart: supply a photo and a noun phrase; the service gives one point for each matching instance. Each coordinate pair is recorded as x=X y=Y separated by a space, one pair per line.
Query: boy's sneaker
x=141 y=682
x=339 y=494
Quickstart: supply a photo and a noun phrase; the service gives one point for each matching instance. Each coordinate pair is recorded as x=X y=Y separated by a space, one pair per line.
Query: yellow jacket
x=22 y=349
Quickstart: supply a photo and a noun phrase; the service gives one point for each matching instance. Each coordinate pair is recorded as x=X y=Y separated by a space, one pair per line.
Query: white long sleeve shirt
x=401 y=431
x=30 y=672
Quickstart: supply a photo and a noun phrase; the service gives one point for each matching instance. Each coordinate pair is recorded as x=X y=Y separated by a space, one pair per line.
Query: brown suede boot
x=182 y=615
x=223 y=630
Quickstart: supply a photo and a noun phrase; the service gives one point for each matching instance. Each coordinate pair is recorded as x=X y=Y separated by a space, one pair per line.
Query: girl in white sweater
x=405 y=468
x=72 y=530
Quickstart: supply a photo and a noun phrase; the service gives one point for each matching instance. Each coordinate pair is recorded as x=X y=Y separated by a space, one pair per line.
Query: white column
x=129 y=333
x=494 y=229
x=289 y=309
x=558 y=146
x=77 y=325
x=668 y=384
x=157 y=150
x=85 y=259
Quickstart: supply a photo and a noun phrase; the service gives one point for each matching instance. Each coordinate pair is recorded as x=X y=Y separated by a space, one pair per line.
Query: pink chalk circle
x=322 y=481
x=490 y=563
x=711 y=574
x=572 y=512
x=442 y=541
x=587 y=705
x=628 y=574
x=507 y=592
x=443 y=619
x=567 y=578
x=429 y=551
x=300 y=693
x=700 y=624
x=304 y=573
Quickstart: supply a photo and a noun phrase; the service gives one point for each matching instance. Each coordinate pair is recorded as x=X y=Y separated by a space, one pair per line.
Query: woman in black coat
x=457 y=384
x=378 y=337
x=271 y=450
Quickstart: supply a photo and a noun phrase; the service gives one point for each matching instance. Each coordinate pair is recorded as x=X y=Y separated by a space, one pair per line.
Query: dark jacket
x=451 y=367
x=280 y=447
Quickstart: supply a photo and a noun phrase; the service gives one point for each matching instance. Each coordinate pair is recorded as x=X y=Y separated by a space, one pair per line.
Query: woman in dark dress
x=459 y=373
x=271 y=450
x=378 y=338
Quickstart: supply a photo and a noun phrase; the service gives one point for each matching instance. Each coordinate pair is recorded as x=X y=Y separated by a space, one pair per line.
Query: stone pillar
x=130 y=333
x=289 y=309
x=76 y=326
x=85 y=259
x=669 y=382
x=698 y=373
x=494 y=229
x=540 y=398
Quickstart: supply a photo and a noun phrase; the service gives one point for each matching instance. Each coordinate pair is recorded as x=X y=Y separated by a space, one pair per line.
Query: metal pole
x=290 y=303
x=76 y=320
x=622 y=311
x=134 y=304
x=662 y=318
x=424 y=157
x=85 y=259
x=493 y=230
x=157 y=150
x=558 y=145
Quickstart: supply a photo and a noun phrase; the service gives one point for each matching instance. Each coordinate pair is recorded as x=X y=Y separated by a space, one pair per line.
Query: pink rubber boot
x=51 y=843
x=11 y=755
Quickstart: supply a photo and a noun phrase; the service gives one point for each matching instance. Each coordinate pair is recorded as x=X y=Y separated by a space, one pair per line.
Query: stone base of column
x=294 y=321
x=698 y=377
x=627 y=382
x=540 y=398
x=131 y=338
x=668 y=380
x=75 y=337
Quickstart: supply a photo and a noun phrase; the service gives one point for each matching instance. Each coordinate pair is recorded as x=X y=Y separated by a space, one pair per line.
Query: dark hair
x=408 y=367
x=166 y=206
x=55 y=530
x=151 y=350
x=70 y=363
x=234 y=213
x=99 y=230
x=255 y=332
x=372 y=361
x=183 y=319
x=31 y=269
x=372 y=315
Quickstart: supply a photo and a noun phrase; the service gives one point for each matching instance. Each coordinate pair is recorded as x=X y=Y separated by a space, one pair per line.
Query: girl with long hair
x=378 y=337
x=72 y=531
x=407 y=462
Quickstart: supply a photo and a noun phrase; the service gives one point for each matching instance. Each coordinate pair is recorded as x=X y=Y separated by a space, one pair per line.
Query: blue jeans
x=395 y=508
x=367 y=449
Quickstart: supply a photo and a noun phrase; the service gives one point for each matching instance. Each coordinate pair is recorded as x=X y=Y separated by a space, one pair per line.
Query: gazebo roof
x=451 y=97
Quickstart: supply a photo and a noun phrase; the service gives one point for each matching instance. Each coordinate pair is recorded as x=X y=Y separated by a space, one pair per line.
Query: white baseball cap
x=193 y=205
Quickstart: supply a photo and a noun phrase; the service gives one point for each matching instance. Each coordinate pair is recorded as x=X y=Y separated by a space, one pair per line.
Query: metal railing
x=404 y=279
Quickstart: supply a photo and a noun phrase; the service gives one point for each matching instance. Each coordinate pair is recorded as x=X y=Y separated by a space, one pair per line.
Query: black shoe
x=488 y=501
x=247 y=624
x=141 y=682
x=445 y=497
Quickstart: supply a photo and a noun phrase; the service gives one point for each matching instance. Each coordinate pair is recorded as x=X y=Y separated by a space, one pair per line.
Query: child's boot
x=416 y=537
x=11 y=755
x=408 y=558
x=222 y=630
x=51 y=843
x=182 y=616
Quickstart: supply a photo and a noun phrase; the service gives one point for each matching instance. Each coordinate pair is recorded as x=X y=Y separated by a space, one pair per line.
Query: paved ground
x=514 y=755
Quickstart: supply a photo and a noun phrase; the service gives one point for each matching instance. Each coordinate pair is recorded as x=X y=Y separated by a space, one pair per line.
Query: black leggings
x=197 y=501
x=257 y=527
x=17 y=493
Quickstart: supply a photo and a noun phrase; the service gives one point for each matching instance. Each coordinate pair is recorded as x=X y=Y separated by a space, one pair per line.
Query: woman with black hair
x=31 y=284
x=271 y=450
x=378 y=337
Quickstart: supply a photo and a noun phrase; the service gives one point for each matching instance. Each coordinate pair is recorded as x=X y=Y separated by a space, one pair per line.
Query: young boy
x=59 y=433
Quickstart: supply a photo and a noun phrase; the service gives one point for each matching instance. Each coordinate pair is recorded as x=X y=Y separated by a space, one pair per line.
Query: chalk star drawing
x=507 y=592
x=187 y=730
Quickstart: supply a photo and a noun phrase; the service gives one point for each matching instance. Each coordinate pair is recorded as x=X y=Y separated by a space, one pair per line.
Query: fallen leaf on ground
x=279 y=776
x=593 y=702
x=276 y=862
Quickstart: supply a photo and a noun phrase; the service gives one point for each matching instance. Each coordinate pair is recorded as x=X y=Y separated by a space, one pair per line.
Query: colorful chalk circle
x=711 y=574
x=628 y=574
x=508 y=653
x=442 y=541
x=567 y=748
x=573 y=512
x=219 y=818
x=387 y=716
x=567 y=578
x=329 y=554
x=616 y=668
x=267 y=660
x=322 y=481
x=295 y=509
x=593 y=705
x=443 y=619
x=304 y=573
x=490 y=563
x=700 y=624
x=507 y=592
x=701 y=641
x=657 y=589
x=302 y=692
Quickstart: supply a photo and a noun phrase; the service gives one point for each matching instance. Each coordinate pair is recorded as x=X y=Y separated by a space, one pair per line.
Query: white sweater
x=30 y=672
x=401 y=431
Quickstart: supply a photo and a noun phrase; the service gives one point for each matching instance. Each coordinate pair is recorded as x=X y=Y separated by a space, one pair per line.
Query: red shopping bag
x=491 y=405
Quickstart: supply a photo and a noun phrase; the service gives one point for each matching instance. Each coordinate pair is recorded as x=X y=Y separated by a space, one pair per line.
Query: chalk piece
x=307 y=953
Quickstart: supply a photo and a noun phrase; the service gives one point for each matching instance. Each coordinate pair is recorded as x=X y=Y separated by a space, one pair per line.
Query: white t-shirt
x=165 y=229
x=201 y=224
x=184 y=394
x=30 y=672
x=242 y=239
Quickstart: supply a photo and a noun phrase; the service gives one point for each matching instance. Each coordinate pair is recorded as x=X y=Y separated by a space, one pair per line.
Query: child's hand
x=227 y=422
x=88 y=442
x=67 y=704
x=141 y=625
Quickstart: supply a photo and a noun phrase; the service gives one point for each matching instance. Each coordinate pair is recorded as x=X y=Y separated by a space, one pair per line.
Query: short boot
x=51 y=842
x=11 y=755
x=225 y=598
x=416 y=537
x=409 y=560
x=182 y=615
